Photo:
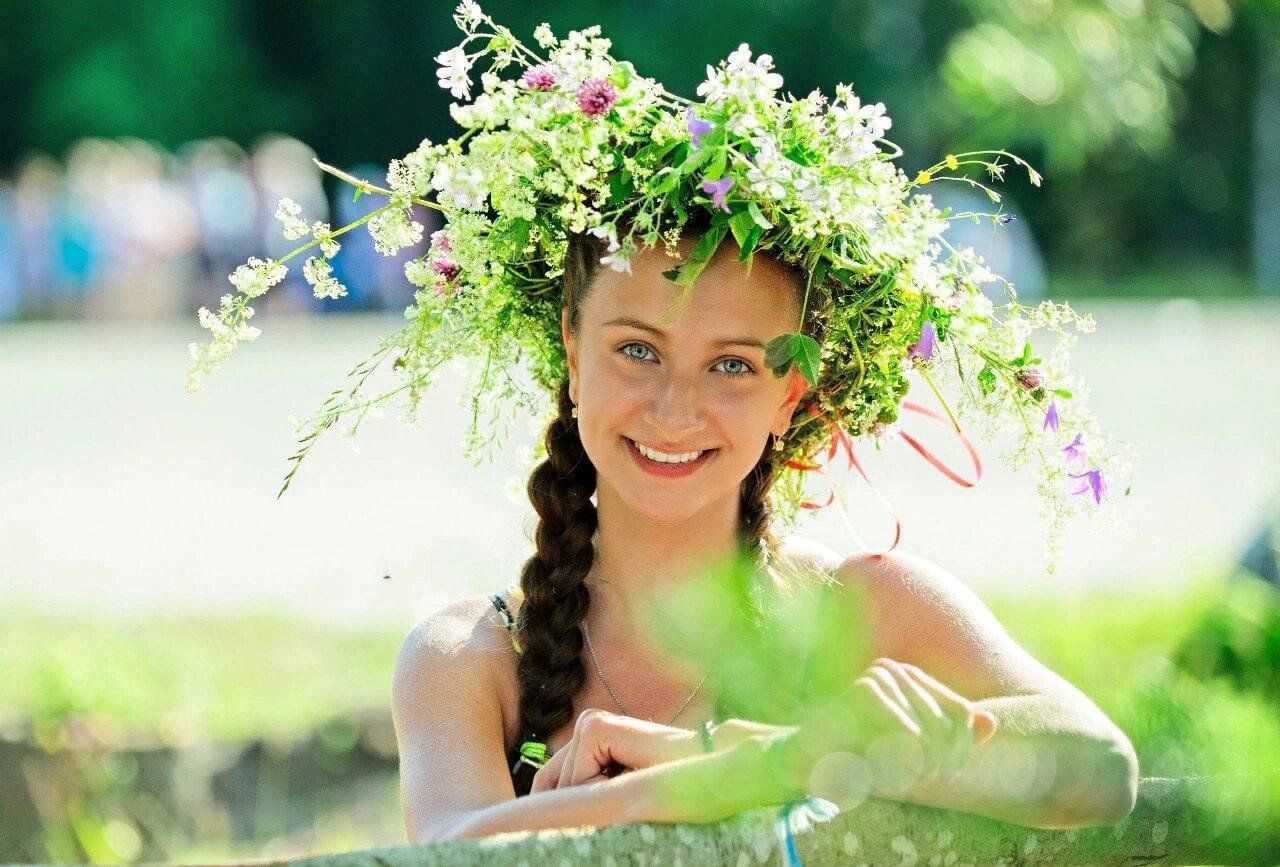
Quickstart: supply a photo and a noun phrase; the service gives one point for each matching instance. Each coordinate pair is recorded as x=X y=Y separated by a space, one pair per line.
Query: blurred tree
x=1141 y=112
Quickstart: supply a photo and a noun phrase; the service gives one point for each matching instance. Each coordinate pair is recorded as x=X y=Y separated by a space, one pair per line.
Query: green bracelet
x=707 y=730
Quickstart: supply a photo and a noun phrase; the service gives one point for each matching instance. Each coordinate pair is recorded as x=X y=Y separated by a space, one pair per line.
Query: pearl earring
x=574 y=412
x=777 y=444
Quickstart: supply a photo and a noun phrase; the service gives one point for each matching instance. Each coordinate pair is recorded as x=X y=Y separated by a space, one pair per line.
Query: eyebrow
x=630 y=322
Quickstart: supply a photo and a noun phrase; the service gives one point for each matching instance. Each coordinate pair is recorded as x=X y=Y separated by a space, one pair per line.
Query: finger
x=937 y=726
x=889 y=710
x=946 y=697
x=549 y=774
x=889 y=684
x=570 y=749
x=583 y=748
x=981 y=722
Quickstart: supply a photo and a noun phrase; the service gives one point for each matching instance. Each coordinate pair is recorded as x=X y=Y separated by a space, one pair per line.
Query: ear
x=570 y=352
x=797 y=387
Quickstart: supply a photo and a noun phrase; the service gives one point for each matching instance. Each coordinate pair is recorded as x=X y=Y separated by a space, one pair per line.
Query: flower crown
x=578 y=142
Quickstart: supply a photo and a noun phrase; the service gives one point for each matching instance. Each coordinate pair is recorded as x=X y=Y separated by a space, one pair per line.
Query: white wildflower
x=742 y=79
x=319 y=273
x=464 y=187
x=453 y=72
x=606 y=231
x=619 y=259
x=256 y=277
x=328 y=246
x=468 y=15
x=392 y=231
x=289 y=213
x=545 y=38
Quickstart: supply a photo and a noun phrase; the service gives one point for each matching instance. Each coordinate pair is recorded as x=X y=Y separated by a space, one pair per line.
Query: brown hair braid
x=555 y=596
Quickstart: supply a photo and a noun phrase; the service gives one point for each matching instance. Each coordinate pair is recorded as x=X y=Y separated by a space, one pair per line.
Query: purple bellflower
x=717 y=189
x=1051 y=418
x=697 y=128
x=1075 y=453
x=923 y=348
x=1090 y=481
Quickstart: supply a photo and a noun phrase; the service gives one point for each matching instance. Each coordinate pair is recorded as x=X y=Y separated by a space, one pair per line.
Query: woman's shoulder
x=809 y=555
x=472 y=625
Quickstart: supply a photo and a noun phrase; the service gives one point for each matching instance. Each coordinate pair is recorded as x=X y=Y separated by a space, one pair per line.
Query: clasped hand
x=931 y=729
x=606 y=744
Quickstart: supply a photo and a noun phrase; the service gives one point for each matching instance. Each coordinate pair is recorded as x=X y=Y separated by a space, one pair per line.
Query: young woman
x=672 y=428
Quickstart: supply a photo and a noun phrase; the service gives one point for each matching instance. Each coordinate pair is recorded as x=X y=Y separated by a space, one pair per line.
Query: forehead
x=724 y=297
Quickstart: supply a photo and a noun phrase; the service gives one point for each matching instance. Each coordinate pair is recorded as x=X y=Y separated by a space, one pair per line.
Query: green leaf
x=688 y=271
x=777 y=353
x=754 y=210
x=808 y=356
x=359 y=192
x=987 y=380
x=800 y=348
x=716 y=172
x=741 y=224
x=753 y=238
x=620 y=186
x=1062 y=392
x=801 y=154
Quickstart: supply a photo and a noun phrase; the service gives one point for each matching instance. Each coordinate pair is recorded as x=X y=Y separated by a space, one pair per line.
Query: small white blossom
x=257 y=276
x=464 y=187
x=453 y=72
x=392 y=231
x=289 y=213
x=545 y=38
x=468 y=15
x=328 y=246
x=319 y=273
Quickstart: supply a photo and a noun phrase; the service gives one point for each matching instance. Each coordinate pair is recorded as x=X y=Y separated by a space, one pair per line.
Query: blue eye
x=625 y=347
x=744 y=370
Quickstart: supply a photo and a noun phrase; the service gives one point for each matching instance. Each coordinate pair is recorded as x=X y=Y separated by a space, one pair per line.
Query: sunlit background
x=192 y=668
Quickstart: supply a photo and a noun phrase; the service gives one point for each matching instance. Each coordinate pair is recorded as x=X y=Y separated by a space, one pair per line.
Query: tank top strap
x=508 y=619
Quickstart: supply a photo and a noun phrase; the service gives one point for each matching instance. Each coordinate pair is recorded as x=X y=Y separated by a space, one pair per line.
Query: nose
x=676 y=413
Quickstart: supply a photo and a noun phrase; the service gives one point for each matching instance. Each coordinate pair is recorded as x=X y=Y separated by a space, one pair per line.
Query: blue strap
x=797 y=816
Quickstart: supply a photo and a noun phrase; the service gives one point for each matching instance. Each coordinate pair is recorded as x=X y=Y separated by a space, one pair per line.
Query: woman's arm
x=1044 y=766
x=1056 y=760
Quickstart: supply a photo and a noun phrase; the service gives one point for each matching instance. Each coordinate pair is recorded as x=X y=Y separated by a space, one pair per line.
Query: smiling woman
x=692 y=385
x=671 y=423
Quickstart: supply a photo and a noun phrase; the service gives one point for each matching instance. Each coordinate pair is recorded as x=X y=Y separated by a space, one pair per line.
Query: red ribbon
x=840 y=439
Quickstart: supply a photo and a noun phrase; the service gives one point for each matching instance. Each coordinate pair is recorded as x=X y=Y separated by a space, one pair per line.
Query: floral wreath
x=579 y=142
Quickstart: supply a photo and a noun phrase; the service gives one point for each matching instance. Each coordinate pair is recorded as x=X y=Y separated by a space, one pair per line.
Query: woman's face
x=698 y=384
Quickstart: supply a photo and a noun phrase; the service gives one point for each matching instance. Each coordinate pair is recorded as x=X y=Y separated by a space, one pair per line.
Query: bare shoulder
x=449 y=715
x=809 y=555
x=924 y=614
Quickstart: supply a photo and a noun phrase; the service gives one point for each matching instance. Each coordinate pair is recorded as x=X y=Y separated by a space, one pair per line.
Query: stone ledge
x=1169 y=825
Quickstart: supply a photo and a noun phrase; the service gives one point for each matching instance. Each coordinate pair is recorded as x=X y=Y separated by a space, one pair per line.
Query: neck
x=636 y=558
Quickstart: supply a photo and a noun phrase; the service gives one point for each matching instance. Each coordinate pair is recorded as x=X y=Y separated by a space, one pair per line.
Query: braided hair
x=555 y=597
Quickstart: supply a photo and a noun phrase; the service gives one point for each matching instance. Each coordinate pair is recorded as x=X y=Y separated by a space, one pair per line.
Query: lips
x=667 y=470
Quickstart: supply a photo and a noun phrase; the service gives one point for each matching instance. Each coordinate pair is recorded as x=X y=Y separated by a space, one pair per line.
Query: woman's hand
x=895 y=705
x=605 y=744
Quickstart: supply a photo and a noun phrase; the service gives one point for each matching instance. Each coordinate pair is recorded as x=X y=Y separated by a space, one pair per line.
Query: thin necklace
x=600 y=671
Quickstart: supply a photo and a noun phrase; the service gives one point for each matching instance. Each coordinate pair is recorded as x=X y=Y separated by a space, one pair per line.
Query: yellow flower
x=924 y=178
x=952 y=162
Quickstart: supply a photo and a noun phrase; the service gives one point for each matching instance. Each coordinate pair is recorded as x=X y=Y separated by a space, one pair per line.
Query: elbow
x=443 y=830
x=1122 y=787
x=1106 y=798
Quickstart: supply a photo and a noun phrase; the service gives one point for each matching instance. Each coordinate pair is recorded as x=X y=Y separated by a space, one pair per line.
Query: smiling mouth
x=666 y=468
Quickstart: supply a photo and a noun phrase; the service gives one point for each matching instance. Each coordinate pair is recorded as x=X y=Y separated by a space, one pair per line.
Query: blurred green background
x=190 y=669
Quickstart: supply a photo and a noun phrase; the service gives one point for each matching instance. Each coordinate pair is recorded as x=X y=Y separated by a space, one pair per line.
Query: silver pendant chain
x=587 y=635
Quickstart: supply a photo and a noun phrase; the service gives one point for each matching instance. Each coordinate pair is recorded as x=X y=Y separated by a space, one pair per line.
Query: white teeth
x=665 y=458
